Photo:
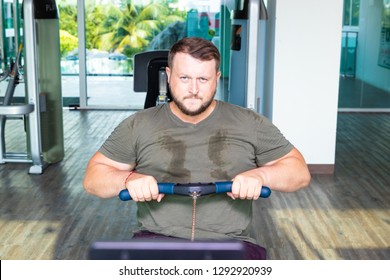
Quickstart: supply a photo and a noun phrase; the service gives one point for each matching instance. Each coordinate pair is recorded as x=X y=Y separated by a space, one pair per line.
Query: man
x=195 y=138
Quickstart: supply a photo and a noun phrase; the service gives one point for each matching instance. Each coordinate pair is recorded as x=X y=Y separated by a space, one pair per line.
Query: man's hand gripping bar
x=199 y=188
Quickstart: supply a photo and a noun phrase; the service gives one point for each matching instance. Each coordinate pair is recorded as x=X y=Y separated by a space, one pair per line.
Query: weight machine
x=42 y=109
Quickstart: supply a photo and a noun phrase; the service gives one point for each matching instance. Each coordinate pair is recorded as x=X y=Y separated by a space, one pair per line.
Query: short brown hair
x=198 y=48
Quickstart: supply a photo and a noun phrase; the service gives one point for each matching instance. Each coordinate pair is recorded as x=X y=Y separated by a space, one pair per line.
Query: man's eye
x=184 y=78
x=203 y=80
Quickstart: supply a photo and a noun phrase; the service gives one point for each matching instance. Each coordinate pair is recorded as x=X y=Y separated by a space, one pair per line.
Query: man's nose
x=194 y=88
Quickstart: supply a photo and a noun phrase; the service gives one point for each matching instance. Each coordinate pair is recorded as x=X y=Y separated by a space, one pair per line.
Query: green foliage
x=68 y=18
x=94 y=18
x=68 y=42
x=124 y=28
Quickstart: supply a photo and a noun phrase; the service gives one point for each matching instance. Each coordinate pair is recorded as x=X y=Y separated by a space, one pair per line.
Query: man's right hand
x=143 y=188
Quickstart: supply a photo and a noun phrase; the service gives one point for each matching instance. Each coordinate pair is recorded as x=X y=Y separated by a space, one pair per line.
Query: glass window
x=351 y=12
x=364 y=81
x=115 y=31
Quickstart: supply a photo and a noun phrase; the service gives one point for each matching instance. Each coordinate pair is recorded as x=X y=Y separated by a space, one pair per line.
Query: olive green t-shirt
x=230 y=141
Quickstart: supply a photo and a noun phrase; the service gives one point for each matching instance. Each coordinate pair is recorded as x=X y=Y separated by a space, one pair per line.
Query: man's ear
x=168 y=71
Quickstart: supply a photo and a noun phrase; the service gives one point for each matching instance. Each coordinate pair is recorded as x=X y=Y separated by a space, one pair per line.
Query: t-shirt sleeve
x=271 y=143
x=119 y=146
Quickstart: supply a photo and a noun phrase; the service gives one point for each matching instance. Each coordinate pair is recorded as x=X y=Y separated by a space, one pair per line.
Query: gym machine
x=42 y=110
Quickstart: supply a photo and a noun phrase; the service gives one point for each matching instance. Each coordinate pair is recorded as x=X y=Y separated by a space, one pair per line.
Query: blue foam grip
x=166 y=188
x=223 y=187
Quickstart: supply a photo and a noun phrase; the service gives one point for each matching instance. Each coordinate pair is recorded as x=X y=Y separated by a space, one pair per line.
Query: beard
x=182 y=107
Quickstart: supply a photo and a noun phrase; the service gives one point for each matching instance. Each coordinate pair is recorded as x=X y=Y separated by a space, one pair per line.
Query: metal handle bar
x=199 y=188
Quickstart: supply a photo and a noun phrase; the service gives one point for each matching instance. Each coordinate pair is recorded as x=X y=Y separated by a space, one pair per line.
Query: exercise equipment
x=42 y=71
x=9 y=110
x=163 y=249
x=194 y=190
x=150 y=76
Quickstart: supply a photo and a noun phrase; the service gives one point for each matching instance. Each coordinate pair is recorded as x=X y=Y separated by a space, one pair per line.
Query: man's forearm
x=105 y=177
x=287 y=175
x=104 y=181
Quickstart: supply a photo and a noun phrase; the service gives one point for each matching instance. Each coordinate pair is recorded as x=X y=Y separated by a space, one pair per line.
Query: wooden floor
x=345 y=215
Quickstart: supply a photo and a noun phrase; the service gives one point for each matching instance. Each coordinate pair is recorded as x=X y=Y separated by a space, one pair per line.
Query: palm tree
x=131 y=29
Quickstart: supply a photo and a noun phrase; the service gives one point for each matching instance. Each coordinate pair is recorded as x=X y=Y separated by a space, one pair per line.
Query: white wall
x=305 y=82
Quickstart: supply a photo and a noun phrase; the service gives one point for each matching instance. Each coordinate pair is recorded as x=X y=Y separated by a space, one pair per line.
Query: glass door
x=69 y=41
x=365 y=57
x=112 y=38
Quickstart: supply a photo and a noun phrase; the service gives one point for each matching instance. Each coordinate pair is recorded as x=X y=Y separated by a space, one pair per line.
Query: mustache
x=192 y=96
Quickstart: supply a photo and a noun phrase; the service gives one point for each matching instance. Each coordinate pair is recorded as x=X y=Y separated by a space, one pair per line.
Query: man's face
x=193 y=83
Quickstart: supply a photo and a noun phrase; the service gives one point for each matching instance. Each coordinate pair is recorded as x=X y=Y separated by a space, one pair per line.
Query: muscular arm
x=286 y=174
x=105 y=178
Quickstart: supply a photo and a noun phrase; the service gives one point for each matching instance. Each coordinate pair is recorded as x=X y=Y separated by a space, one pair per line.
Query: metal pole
x=253 y=30
x=2 y=37
x=32 y=87
x=16 y=24
x=82 y=53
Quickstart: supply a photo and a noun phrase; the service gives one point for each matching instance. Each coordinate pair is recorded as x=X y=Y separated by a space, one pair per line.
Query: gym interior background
x=324 y=72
